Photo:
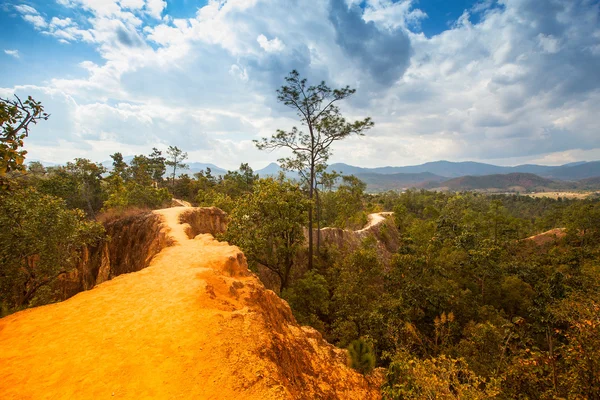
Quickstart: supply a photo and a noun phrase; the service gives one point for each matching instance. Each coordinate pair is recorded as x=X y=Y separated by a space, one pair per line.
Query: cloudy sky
x=506 y=81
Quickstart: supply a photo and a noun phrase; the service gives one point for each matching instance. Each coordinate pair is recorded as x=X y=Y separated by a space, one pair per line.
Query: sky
x=501 y=81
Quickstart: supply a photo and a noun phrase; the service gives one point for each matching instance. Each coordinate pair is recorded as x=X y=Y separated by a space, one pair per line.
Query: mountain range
x=467 y=175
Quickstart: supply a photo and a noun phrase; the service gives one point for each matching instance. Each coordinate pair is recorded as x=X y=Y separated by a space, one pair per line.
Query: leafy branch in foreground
x=15 y=118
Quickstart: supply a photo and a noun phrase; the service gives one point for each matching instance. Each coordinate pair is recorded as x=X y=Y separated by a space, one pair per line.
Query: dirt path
x=183 y=328
x=374 y=219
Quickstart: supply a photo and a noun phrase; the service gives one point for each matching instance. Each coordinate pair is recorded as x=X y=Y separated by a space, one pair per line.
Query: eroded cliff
x=131 y=243
x=194 y=324
x=380 y=226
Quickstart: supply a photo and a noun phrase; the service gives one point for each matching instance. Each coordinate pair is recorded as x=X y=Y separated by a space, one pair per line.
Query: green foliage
x=482 y=312
x=358 y=282
x=40 y=239
x=175 y=158
x=267 y=225
x=223 y=192
x=361 y=356
x=79 y=183
x=123 y=195
x=309 y=298
x=580 y=349
x=344 y=208
x=435 y=378
x=311 y=148
x=15 y=118
x=140 y=170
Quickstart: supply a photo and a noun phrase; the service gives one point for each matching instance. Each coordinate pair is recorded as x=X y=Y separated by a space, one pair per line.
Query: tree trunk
x=318 y=209
x=310 y=210
x=174 y=172
x=310 y=235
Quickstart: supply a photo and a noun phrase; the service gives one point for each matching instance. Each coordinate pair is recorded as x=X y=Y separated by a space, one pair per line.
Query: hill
x=380 y=182
x=576 y=172
x=194 y=324
x=504 y=182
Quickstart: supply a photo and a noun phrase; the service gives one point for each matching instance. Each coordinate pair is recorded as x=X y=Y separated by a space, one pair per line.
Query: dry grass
x=114 y=214
x=564 y=195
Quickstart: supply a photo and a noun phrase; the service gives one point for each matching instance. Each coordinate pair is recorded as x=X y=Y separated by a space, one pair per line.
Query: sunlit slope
x=195 y=324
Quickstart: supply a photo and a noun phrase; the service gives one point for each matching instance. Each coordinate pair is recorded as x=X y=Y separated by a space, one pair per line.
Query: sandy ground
x=155 y=334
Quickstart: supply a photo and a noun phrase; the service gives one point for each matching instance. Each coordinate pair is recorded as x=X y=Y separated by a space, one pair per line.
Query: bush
x=361 y=356
x=131 y=194
x=40 y=240
x=435 y=378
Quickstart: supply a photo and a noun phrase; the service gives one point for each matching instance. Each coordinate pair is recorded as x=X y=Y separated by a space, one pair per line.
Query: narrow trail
x=375 y=219
x=195 y=324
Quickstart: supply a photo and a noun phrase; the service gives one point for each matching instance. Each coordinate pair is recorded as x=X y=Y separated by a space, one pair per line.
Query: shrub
x=361 y=356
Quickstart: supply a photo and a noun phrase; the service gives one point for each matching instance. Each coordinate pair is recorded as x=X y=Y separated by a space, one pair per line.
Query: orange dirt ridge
x=550 y=236
x=195 y=324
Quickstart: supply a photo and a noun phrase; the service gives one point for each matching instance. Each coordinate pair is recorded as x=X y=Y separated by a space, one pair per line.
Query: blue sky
x=505 y=81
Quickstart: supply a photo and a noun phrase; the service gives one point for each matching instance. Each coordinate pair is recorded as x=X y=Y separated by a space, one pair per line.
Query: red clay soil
x=195 y=324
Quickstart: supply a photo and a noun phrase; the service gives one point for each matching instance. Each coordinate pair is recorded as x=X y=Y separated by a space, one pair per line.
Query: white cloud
x=155 y=7
x=36 y=20
x=25 y=9
x=520 y=84
x=393 y=15
x=60 y=22
x=270 y=46
x=13 y=53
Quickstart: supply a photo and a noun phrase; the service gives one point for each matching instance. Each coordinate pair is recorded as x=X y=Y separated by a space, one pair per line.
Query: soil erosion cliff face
x=194 y=324
x=131 y=244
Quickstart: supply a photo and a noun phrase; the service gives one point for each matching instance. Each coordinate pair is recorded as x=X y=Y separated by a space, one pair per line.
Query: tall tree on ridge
x=315 y=106
x=176 y=156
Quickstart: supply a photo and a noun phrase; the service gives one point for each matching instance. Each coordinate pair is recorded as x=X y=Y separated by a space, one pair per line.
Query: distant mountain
x=272 y=169
x=430 y=174
x=195 y=167
x=454 y=169
x=446 y=169
x=576 y=172
x=346 y=169
x=515 y=182
x=383 y=182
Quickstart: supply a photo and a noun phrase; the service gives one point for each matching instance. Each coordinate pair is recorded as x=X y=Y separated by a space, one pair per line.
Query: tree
x=141 y=170
x=175 y=160
x=36 y=168
x=120 y=167
x=157 y=166
x=267 y=225
x=315 y=106
x=15 y=118
x=40 y=239
x=235 y=183
x=79 y=183
x=435 y=378
x=361 y=356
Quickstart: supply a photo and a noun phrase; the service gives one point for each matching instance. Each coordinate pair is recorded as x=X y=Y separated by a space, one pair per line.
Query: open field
x=567 y=195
